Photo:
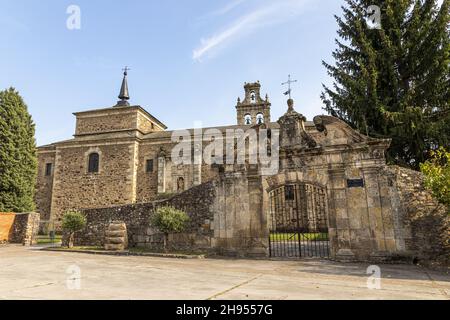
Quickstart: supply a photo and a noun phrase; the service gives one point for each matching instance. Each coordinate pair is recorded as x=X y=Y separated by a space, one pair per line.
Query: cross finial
x=289 y=82
x=125 y=70
x=124 y=95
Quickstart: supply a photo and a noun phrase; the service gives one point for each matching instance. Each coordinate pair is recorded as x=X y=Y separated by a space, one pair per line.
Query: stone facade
x=364 y=205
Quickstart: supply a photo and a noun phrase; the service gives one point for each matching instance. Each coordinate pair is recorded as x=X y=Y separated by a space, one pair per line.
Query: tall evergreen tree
x=394 y=81
x=18 y=164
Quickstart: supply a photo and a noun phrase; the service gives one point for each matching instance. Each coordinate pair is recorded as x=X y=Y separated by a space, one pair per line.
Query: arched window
x=248 y=119
x=93 y=165
x=259 y=118
x=180 y=184
x=253 y=97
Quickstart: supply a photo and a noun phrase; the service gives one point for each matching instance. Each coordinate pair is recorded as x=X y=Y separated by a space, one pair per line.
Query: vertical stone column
x=55 y=211
x=239 y=221
x=161 y=174
x=198 y=158
x=380 y=213
x=197 y=174
x=339 y=219
x=258 y=232
x=134 y=150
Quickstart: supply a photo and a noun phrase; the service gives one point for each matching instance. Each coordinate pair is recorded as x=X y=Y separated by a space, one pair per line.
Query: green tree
x=169 y=220
x=72 y=222
x=18 y=159
x=437 y=175
x=393 y=81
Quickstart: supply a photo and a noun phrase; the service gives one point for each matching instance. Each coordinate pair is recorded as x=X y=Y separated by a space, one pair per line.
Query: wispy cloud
x=269 y=13
x=227 y=8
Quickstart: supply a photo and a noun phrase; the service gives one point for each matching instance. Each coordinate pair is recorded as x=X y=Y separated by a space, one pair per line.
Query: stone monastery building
x=332 y=194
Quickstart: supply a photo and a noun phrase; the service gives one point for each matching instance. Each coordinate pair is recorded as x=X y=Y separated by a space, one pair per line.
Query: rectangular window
x=48 y=169
x=149 y=167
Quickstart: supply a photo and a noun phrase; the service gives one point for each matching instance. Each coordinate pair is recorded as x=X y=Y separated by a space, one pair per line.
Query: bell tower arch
x=253 y=110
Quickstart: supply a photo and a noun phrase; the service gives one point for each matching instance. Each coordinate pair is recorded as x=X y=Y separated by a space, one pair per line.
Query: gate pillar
x=340 y=237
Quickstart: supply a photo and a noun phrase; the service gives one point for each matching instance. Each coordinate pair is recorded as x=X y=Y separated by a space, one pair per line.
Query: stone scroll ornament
x=116 y=237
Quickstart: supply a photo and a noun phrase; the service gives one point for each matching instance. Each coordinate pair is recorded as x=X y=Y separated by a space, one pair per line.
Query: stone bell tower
x=253 y=109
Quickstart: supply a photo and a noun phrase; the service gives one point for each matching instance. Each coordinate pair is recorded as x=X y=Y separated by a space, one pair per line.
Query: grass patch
x=47 y=240
x=82 y=248
x=279 y=236
x=161 y=251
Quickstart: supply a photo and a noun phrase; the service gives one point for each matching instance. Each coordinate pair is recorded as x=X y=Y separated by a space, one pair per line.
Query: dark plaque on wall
x=355 y=183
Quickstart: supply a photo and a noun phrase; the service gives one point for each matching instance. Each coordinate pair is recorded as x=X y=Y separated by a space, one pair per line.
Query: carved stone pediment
x=337 y=132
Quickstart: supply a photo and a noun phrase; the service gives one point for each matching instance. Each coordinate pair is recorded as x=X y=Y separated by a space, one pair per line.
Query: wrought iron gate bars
x=298 y=224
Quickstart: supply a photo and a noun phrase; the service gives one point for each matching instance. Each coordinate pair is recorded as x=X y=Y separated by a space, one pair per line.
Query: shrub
x=72 y=222
x=437 y=175
x=169 y=220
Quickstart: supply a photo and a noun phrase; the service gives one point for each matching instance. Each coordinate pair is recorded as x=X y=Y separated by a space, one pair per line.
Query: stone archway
x=298 y=221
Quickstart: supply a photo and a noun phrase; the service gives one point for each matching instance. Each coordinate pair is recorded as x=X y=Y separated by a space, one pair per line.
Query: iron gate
x=298 y=224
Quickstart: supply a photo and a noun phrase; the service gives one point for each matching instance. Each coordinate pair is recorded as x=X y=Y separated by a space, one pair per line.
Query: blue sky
x=189 y=59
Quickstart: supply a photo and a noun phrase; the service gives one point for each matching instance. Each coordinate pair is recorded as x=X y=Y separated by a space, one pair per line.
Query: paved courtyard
x=28 y=273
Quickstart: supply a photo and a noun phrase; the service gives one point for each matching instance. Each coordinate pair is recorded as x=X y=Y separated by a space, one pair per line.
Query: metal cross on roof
x=289 y=82
x=125 y=70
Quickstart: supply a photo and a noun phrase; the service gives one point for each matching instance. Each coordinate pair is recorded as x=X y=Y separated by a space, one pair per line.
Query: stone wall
x=147 y=182
x=106 y=120
x=145 y=125
x=19 y=228
x=115 y=119
x=74 y=187
x=425 y=222
x=44 y=185
x=197 y=202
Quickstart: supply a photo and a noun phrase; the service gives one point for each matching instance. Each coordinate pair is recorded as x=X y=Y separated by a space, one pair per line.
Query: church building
x=332 y=194
x=121 y=155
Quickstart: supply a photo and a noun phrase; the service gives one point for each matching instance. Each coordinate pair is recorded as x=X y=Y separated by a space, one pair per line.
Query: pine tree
x=18 y=163
x=393 y=81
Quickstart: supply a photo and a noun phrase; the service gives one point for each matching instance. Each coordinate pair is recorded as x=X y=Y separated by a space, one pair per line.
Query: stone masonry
x=371 y=212
x=116 y=236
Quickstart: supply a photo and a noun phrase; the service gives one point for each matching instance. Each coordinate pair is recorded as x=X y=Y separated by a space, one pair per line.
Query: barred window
x=289 y=193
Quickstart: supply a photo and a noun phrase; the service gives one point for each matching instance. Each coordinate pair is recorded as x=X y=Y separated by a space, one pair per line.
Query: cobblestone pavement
x=28 y=273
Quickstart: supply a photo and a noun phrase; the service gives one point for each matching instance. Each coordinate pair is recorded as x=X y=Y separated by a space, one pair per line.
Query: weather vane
x=289 y=82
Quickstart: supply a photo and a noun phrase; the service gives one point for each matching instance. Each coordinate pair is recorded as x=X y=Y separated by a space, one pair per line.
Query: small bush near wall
x=72 y=222
x=169 y=220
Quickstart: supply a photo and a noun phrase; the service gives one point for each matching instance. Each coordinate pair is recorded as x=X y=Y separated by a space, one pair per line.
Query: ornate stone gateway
x=298 y=221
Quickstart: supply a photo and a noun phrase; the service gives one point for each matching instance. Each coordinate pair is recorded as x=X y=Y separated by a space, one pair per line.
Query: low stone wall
x=19 y=228
x=197 y=202
x=426 y=221
x=6 y=224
